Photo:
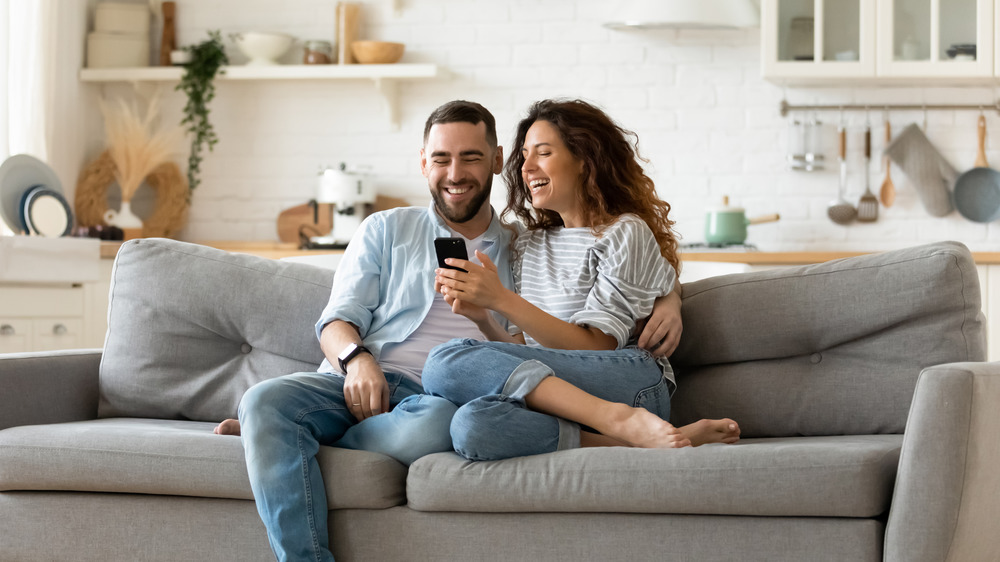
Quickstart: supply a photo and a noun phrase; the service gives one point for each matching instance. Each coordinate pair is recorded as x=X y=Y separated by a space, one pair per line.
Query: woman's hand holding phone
x=478 y=285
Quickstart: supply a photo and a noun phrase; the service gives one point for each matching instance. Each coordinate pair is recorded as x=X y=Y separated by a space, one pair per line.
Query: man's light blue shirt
x=384 y=284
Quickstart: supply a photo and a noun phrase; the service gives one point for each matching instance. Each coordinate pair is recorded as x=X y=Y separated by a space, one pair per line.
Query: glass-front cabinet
x=818 y=38
x=935 y=38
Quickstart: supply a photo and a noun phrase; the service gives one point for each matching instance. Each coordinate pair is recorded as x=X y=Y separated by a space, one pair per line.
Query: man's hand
x=366 y=392
x=661 y=332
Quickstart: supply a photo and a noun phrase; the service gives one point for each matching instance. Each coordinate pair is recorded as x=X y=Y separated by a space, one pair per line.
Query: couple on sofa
x=594 y=257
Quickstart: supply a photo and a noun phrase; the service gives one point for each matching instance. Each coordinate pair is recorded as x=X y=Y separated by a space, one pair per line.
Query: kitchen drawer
x=41 y=301
x=15 y=335
x=56 y=333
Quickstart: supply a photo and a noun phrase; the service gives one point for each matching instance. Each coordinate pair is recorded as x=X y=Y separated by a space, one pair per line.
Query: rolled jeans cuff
x=524 y=378
x=569 y=435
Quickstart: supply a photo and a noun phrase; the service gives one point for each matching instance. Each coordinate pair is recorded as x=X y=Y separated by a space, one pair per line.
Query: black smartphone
x=450 y=248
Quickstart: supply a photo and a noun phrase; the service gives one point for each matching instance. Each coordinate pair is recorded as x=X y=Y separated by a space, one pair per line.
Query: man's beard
x=465 y=214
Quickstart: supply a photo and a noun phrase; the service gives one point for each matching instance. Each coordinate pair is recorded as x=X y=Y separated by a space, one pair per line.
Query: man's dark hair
x=461 y=111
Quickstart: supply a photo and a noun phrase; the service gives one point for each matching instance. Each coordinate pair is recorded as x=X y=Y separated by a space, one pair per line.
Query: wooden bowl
x=377 y=52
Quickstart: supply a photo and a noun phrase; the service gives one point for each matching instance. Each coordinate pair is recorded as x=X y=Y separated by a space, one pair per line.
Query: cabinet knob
x=59 y=329
x=7 y=330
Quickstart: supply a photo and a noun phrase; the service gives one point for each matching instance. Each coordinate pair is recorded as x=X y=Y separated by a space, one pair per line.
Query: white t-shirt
x=439 y=326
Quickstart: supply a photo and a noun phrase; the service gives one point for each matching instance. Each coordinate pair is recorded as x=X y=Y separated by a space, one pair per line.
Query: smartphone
x=450 y=248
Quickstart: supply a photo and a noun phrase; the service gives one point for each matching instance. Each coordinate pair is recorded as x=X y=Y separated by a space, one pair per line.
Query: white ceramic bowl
x=263 y=48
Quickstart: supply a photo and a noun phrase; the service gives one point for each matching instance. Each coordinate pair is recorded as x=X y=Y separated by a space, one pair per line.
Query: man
x=383 y=306
x=382 y=320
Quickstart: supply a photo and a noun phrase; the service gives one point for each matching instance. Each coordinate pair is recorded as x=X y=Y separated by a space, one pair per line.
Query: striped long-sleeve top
x=608 y=281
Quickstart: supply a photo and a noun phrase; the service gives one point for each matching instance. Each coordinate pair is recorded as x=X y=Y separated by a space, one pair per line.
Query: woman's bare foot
x=639 y=427
x=228 y=427
x=703 y=432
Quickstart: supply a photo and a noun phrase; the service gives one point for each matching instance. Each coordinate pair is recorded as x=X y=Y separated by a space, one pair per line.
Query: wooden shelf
x=276 y=72
x=386 y=77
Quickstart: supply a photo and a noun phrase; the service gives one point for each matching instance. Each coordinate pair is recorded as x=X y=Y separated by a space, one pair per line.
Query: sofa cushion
x=190 y=328
x=846 y=476
x=169 y=457
x=828 y=349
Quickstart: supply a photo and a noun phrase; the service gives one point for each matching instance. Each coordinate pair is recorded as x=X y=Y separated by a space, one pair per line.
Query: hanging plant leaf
x=198 y=84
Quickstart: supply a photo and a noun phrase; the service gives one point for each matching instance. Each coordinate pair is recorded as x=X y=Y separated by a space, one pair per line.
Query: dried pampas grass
x=135 y=148
x=166 y=180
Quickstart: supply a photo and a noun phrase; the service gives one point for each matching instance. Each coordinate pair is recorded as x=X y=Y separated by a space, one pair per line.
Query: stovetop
x=705 y=247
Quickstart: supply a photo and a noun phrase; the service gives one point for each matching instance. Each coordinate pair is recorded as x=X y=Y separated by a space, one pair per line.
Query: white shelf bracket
x=389 y=89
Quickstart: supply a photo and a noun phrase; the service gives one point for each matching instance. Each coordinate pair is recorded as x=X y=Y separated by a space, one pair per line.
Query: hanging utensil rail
x=786 y=107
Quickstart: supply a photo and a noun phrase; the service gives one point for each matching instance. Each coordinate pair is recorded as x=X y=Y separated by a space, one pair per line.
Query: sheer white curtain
x=27 y=77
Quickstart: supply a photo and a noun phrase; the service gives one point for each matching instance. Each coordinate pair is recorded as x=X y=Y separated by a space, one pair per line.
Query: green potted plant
x=197 y=83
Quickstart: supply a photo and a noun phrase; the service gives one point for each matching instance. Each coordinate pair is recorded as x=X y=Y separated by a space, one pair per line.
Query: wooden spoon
x=888 y=191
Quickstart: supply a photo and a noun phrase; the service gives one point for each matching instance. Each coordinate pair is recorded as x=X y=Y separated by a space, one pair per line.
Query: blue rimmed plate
x=45 y=212
x=18 y=174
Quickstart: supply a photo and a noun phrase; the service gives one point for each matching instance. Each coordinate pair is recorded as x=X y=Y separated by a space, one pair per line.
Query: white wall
x=707 y=122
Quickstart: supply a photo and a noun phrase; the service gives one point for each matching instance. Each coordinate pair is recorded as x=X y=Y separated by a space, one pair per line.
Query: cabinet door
x=15 y=335
x=809 y=39
x=51 y=334
x=935 y=38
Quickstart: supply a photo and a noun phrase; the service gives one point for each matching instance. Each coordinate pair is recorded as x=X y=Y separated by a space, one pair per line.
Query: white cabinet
x=934 y=38
x=817 y=39
x=41 y=317
x=15 y=334
x=827 y=41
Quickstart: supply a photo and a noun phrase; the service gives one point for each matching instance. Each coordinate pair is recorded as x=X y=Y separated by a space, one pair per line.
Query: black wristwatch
x=350 y=352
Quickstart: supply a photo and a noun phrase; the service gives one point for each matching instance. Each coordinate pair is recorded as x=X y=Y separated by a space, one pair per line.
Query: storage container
x=117 y=17
x=117 y=50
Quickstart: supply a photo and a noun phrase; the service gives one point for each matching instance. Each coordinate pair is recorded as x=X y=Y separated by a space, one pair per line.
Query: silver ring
x=357 y=403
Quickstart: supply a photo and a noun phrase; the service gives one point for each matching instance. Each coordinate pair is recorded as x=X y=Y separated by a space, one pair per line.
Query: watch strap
x=358 y=350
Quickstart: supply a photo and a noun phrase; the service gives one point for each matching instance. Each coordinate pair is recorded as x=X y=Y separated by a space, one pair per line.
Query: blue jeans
x=284 y=421
x=489 y=381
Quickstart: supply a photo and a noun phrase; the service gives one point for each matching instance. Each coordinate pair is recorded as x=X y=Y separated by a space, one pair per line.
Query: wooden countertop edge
x=277 y=250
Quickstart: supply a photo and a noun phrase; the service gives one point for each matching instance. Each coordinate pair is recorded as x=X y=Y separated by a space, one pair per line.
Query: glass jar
x=317 y=52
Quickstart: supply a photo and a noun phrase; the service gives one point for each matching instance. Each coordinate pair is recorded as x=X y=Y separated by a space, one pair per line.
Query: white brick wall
x=706 y=121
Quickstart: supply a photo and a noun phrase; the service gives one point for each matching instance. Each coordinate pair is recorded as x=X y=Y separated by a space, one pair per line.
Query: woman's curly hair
x=614 y=182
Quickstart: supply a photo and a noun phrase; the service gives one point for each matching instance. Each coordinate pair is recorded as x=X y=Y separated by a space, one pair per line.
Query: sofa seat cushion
x=833 y=476
x=179 y=458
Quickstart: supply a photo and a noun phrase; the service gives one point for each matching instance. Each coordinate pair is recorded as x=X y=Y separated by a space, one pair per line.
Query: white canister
x=118 y=17
x=117 y=50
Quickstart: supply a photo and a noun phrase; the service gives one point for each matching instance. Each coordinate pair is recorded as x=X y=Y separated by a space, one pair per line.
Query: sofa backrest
x=190 y=328
x=827 y=349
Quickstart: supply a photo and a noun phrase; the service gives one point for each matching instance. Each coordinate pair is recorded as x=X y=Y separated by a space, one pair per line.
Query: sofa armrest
x=945 y=503
x=48 y=387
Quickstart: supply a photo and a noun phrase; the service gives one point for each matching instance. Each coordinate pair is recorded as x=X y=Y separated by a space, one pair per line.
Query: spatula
x=868 y=204
x=888 y=192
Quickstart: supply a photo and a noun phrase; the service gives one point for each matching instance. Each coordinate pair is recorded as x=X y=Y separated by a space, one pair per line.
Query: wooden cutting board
x=300 y=218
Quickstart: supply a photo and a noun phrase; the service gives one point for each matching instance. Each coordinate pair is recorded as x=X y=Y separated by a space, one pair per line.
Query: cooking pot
x=728 y=225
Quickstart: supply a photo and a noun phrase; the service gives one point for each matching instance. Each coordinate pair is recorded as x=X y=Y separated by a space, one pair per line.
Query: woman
x=596 y=251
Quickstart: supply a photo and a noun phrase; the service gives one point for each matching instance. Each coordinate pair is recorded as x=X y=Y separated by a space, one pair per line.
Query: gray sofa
x=110 y=455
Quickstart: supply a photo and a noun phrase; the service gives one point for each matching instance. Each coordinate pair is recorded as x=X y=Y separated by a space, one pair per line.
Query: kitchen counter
x=273 y=250
x=277 y=250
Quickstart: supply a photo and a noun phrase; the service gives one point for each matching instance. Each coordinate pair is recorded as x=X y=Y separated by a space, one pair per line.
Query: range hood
x=674 y=14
